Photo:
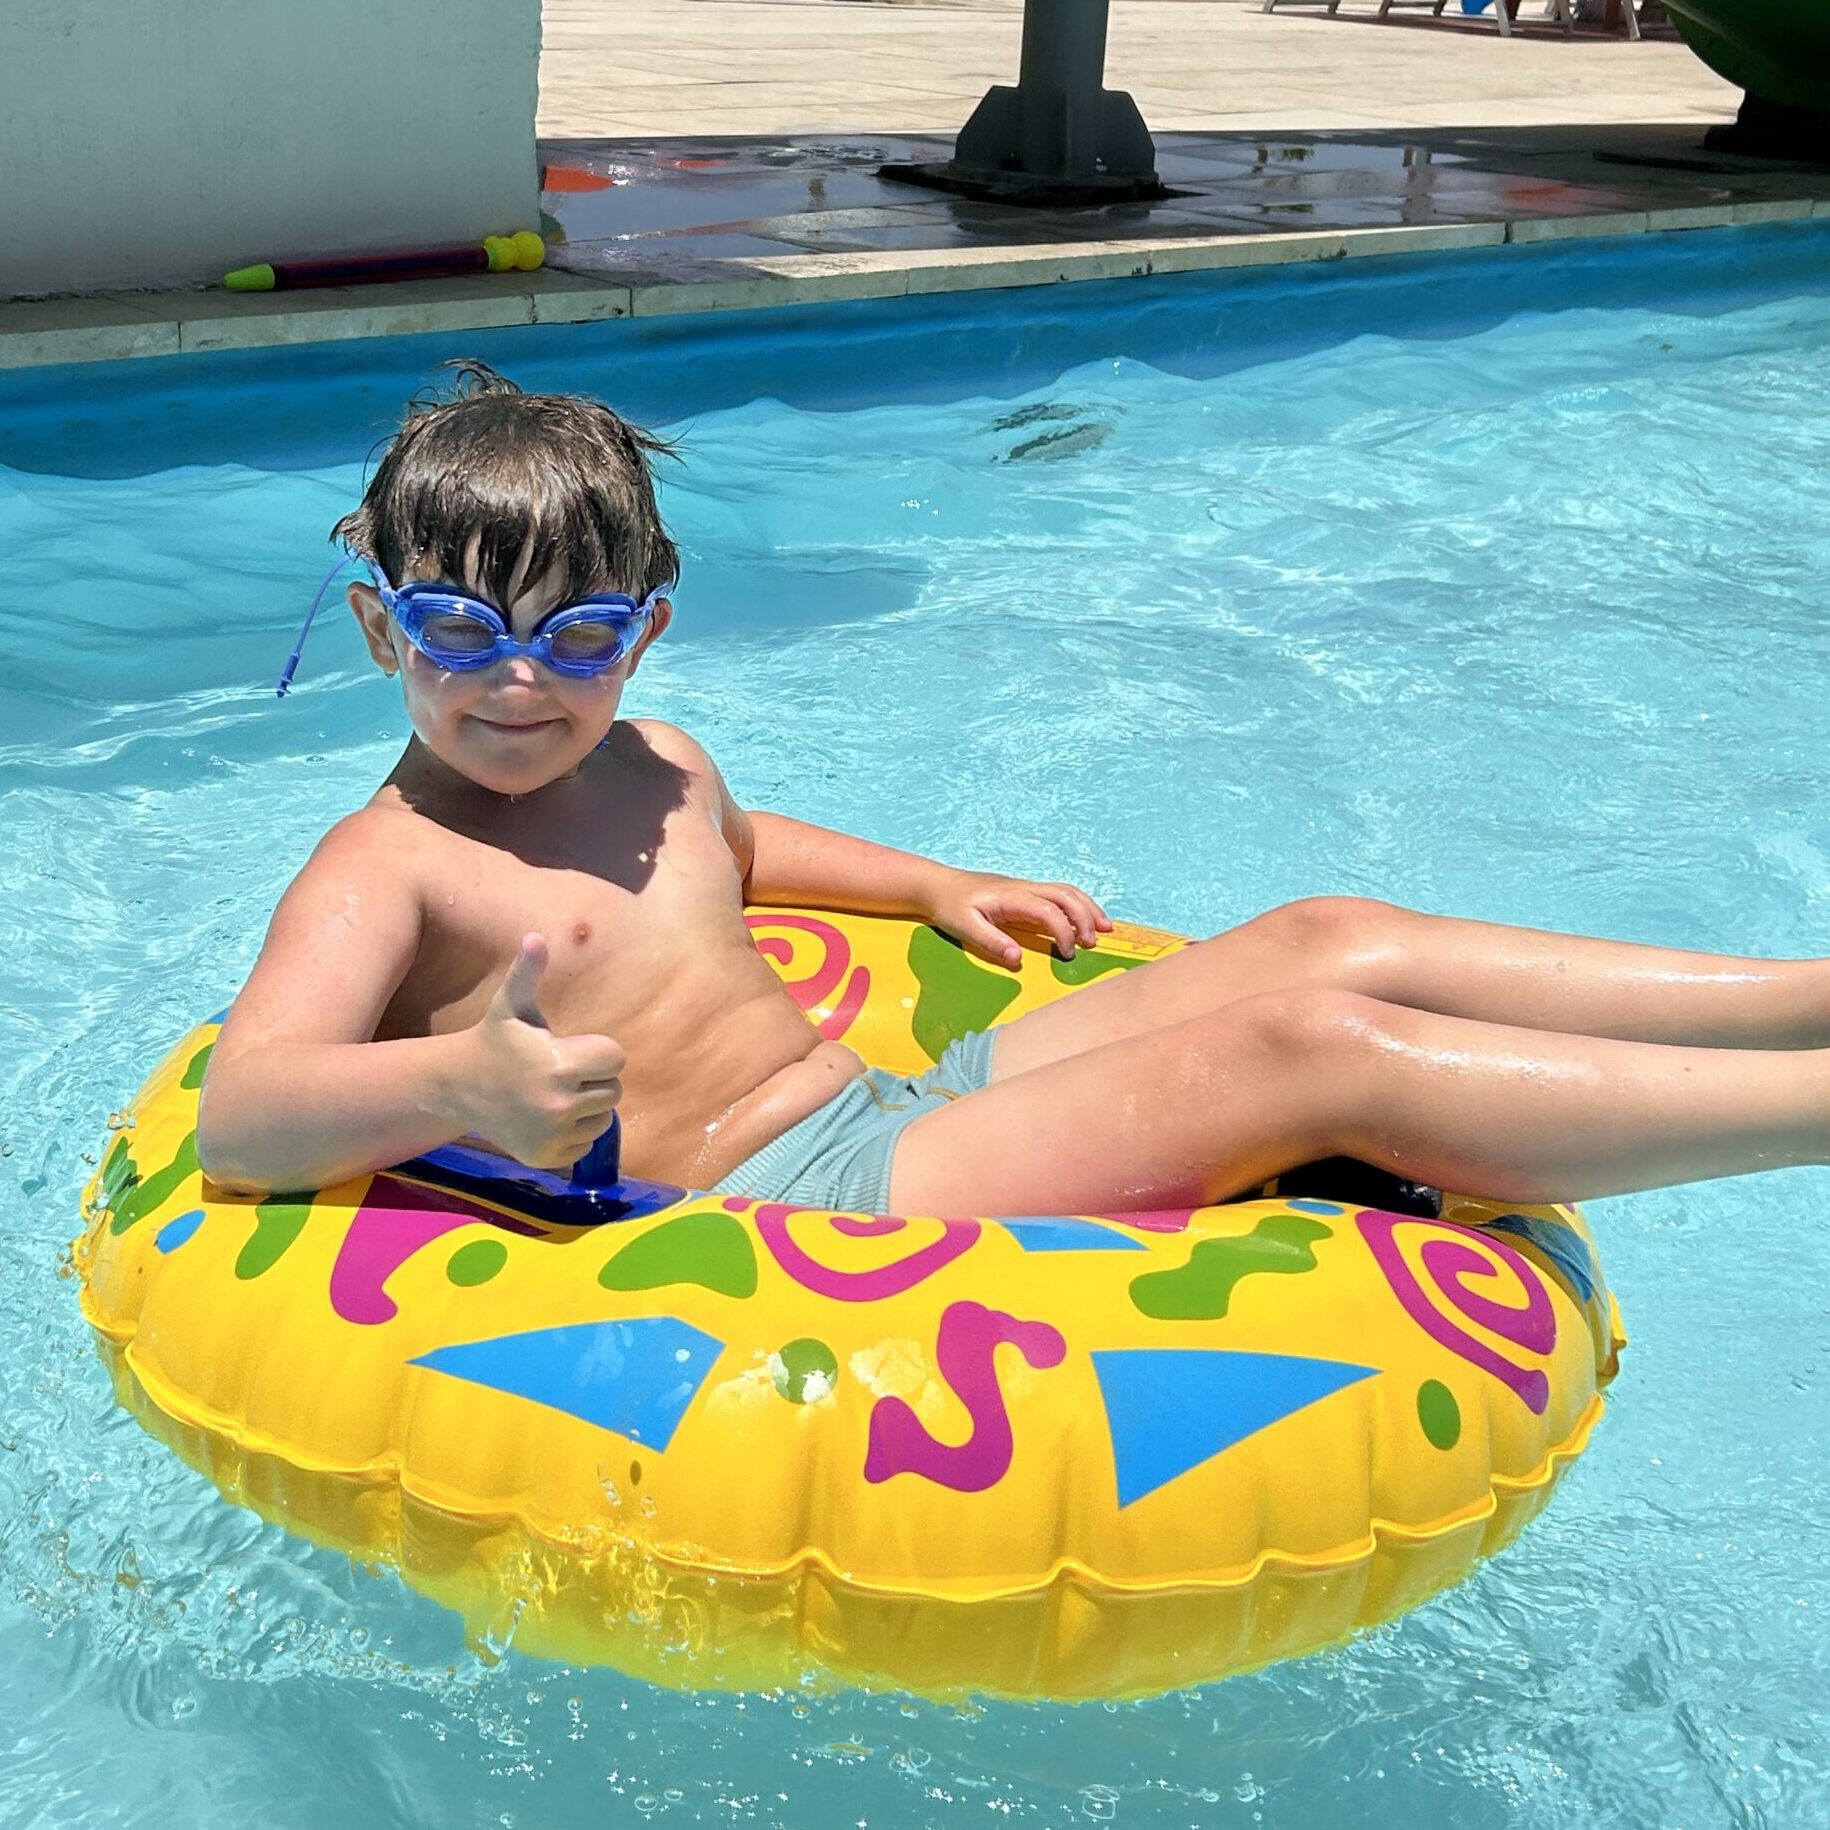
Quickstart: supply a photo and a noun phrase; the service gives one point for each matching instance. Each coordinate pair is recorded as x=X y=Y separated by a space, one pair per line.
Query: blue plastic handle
x=597 y=1168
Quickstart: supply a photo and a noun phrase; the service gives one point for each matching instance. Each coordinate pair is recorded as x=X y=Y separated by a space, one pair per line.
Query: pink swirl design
x=869 y=1286
x=1453 y=1263
x=395 y=1220
x=814 y=991
x=970 y=1335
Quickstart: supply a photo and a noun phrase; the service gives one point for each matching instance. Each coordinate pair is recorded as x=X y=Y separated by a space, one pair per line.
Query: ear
x=365 y=601
x=662 y=615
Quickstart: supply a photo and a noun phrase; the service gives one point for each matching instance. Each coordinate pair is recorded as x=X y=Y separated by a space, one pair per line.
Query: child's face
x=516 y=725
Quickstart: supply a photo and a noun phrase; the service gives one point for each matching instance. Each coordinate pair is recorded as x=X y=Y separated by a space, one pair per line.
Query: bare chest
x=623 y=919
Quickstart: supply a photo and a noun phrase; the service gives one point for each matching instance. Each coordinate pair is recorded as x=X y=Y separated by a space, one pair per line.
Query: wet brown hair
x=480 y=473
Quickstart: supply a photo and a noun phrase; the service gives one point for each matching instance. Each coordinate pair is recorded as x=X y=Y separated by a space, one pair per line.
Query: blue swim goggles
x=458 y=632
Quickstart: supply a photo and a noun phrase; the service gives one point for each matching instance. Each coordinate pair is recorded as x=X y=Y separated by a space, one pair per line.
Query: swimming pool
x=1189 y=592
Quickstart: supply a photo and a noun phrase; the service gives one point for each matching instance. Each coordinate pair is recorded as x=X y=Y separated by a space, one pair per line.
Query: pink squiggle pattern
x=1451 y=1263
x=394 y=1222
x=813 y=991
x=868 y=1286
x=867 y=1226
x=970 y=1335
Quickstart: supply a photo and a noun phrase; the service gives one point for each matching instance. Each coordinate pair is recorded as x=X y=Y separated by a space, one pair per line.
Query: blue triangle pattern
x=635 y=1377
x=1171 y=1408
x=1067 y=1233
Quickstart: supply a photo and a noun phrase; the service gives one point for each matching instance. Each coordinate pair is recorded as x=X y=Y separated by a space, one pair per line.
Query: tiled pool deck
x=642 y=224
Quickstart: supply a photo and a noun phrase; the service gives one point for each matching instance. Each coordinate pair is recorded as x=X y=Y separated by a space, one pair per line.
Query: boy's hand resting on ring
x=980 y=908
x=541 y=1098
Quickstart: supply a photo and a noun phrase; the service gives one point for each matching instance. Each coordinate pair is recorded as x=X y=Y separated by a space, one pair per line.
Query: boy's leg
x=1522 y=977
x=1227 y=1099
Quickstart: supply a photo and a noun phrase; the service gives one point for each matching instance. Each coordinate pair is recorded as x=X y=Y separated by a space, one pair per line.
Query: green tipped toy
x=496 y=254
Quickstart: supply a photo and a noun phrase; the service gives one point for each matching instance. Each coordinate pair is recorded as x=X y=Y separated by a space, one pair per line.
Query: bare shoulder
x=379 y=850
x=675 y=748
x=342 y=938
x=673 y=745
x=369 y=832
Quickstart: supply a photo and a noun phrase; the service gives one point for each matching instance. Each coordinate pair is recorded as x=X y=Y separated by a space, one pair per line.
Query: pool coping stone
x=120 y=326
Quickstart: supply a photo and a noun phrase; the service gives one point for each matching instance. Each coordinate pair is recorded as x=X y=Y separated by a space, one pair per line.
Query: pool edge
x=122 y=326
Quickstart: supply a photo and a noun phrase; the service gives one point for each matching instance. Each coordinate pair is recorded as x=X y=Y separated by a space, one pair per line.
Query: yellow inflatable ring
x=725 y=1442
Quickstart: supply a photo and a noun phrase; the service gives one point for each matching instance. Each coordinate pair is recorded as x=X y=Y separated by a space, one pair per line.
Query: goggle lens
x=594 y=642
x=453 y=634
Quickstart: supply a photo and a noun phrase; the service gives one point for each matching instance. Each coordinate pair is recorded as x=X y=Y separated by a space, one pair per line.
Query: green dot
x=805 y=1371
x=477 y=1262
x=1439 y=1414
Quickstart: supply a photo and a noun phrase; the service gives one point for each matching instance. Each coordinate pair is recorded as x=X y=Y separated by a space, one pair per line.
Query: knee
x=1304 y=1025
x=1337 y=927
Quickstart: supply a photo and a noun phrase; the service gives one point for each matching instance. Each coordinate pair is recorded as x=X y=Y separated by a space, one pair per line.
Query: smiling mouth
x=517 y=724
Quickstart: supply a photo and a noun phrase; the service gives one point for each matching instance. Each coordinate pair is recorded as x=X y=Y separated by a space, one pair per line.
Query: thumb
x=519 y=995
x=999 y=945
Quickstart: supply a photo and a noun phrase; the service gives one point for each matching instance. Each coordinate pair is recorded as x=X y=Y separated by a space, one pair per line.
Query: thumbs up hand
x=542 y=1098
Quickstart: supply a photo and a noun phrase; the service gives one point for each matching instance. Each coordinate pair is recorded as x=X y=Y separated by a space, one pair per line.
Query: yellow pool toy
x=728 y=1442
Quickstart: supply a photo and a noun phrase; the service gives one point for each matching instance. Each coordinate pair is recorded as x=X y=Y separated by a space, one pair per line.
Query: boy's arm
x=800 y=865
x=298 y=1095
x=789 y=863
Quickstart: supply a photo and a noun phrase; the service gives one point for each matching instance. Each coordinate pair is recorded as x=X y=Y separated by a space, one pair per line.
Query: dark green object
x=276 y=1224
x=193 y=1074
x=1085 y=967
x=957 y=993
x=477 y=1262
x=138 y=1198
x=800 y=1361
x=1777 y=50
x=703 y=1248
x=1439 y=1414
x=1200 y=1290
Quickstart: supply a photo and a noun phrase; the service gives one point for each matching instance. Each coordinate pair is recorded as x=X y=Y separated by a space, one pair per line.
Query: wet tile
x=560 y=297
x=99 y=329
x=1690 y=216
x=1430 y=238
x=1775 y=210
x=931 y=234
x=610 y=252
x=1567 y=228
x=1253 y=250
x=256 y=320
x=984 y=268
x=645 y=202
x=736 y=286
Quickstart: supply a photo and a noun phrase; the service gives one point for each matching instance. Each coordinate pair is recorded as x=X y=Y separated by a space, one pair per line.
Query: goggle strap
x=389 y=598
x=298 y=647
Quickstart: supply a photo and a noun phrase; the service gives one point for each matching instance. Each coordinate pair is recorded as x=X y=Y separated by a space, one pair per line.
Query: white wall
x=158 y=143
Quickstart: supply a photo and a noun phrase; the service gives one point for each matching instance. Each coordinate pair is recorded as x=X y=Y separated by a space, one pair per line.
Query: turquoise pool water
x=1521 y=619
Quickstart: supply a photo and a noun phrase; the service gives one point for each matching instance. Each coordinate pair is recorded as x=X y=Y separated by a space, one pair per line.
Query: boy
x=538 y=918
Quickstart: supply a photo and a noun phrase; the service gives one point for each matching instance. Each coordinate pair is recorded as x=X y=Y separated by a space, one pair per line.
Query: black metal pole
x=1060 y=137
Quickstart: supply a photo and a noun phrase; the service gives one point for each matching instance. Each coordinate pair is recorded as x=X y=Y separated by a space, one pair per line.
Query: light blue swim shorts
x=839 y=1157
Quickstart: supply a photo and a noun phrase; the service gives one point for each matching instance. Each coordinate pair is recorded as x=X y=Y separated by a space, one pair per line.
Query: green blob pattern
x=957 y=994
x=1439 y=1414
x=129 y=1196
x=703 y=1248
x=118 y=1172
x=277 y=1223
x=193 y=1075
x=1200 y=1290
x=477 y=1262
x=802 y=1363
x=1085 y=967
